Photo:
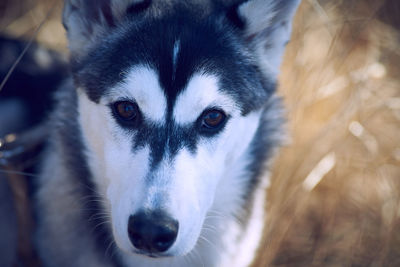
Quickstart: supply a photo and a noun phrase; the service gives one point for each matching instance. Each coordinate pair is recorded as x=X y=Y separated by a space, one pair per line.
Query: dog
x=161 y=138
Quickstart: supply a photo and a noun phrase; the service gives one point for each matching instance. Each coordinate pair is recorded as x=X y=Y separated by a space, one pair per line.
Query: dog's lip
x=151 y=254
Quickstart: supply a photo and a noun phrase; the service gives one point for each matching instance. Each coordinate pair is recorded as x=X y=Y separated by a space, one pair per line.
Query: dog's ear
x=266 y=25
x=87 y=20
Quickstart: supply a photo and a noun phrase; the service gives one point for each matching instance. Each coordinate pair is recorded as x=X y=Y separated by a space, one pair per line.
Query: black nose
x=152 y=231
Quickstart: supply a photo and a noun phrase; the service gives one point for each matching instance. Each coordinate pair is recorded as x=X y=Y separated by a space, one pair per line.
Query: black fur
x=138 y=7
x=206 y=46
x=234 y=17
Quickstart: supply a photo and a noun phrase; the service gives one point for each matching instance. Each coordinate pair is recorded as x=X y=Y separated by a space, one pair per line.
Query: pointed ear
x=86 y=20
x=266 y=26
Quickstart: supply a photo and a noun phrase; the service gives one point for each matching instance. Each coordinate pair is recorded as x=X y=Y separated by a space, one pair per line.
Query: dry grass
x=21 y=18
x=334 y=198
x=335 y=193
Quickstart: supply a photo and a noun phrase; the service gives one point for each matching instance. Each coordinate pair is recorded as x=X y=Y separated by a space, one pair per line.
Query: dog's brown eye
x=213 y=119
x=126 y=110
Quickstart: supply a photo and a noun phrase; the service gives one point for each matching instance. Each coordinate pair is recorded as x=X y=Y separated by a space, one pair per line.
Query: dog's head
x=170 y=99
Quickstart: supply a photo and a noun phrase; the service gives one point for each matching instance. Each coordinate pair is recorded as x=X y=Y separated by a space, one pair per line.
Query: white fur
x=201 y=93
x=141 y=85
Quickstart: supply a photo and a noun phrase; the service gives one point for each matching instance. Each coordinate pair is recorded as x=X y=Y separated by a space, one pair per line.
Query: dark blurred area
x=26 y=96
x=25 y=101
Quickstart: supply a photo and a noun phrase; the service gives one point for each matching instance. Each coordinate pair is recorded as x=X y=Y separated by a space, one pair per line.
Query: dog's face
x=155 y=158
x=169 y=106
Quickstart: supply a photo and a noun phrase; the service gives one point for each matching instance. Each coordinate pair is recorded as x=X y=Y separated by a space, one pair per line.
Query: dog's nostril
x=136 y=240
x=152 y=231
x=166 y=237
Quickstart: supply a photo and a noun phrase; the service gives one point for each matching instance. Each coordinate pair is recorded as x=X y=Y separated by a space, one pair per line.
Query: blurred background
x=334 y=198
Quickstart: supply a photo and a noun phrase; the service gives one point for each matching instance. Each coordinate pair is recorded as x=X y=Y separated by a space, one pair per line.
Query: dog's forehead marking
x=201 y=93
x=175 y=53
x=141 y=84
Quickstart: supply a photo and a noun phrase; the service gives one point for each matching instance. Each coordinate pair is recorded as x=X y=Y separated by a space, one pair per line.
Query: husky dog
x=160 y=139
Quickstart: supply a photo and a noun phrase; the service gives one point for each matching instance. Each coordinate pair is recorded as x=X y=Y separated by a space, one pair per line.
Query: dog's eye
x=126 y=110
x=213 y=119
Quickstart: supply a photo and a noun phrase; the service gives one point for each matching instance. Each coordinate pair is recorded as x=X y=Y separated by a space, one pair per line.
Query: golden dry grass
x=334 y=198
x=21 y=18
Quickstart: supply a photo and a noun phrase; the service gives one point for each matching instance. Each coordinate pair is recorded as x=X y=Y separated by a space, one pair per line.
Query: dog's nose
x=152 y=231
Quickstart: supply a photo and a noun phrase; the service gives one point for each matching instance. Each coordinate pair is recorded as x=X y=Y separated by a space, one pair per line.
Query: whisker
x=112 y=242
x=93 y=190
x=19 y=173
x=88 y=200
x=220 y=215
x=95 y=217
x=211 y=229
x=99 y=224
x=208 y=241
x=197 y=254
